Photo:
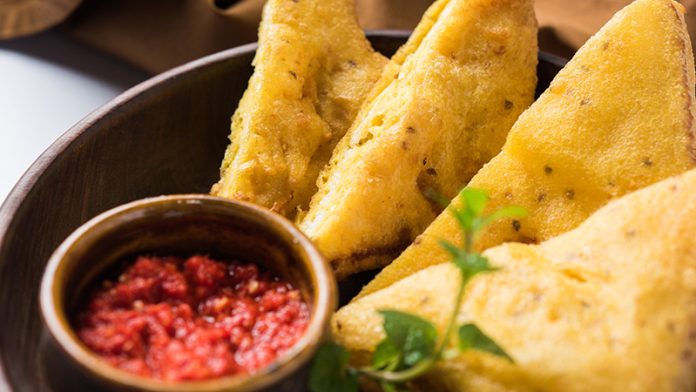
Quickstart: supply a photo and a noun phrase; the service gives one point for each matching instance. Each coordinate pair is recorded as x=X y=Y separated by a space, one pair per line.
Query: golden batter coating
x=313 y=70
x=608 y=306
x=618 y=117
x=441 y=110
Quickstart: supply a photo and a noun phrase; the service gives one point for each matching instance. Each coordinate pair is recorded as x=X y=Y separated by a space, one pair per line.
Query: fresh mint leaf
x=330 y=372
x=505 y=212
x=410 y=347
x=412 y=336
x=464 y=218
x=471 y=337
x=472 y=264
x=455 y=251
x=386 y=356
x=474 y=200
x=469 y=214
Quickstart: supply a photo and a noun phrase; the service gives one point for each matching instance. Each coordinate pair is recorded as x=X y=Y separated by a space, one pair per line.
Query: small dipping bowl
x=183 y=225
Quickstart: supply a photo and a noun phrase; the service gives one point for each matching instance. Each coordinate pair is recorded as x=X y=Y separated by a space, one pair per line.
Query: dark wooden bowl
x=164 y=136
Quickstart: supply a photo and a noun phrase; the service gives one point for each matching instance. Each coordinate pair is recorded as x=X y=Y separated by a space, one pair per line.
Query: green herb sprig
x=411 y=346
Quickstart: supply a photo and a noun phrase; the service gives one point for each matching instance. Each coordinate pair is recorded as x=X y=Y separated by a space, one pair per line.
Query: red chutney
x=191 y=319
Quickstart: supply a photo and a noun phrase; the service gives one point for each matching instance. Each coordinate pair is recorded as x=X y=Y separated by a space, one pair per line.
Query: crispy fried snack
x=608 y=306
x=441 y=110
x=618 y=117
x=313 y=69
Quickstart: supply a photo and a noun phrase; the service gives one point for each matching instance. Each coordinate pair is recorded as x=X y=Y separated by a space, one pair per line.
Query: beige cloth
x=158 y=34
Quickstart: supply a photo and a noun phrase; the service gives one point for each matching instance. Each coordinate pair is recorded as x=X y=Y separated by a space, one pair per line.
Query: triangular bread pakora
x=313 y=69
x=608 y=306
x=443 y=109
x=618 y=117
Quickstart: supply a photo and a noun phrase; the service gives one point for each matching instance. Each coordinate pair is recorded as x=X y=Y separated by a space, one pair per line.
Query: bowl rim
x=323 y=303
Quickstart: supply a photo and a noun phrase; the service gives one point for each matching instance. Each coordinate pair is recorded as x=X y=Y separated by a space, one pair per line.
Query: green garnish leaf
x=330 y=370
x=505 y=212
x=387 y=356
x=470 y=264
x=474 y=200
x=455 y=251
x=410 y=347
x=464 y=218
x=471 y=337
x=473 y=264
x=412 y=337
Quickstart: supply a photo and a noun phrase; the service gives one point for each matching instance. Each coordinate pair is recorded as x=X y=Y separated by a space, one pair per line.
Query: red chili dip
x=178 y=319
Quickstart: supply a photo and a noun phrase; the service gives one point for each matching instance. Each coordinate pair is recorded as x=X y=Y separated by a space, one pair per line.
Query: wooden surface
x=164 y=136
x=23 y=17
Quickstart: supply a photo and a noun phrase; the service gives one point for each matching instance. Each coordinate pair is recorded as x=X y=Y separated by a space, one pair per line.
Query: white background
x=48 y=83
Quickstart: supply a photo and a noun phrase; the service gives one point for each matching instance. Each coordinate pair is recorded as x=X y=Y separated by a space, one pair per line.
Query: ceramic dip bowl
x=182 y=225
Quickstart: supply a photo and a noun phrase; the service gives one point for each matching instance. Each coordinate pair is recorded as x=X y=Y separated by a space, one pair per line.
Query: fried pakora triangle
x=608 y=306
x=313 y=69
x=618 y=117
x=467 y=74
